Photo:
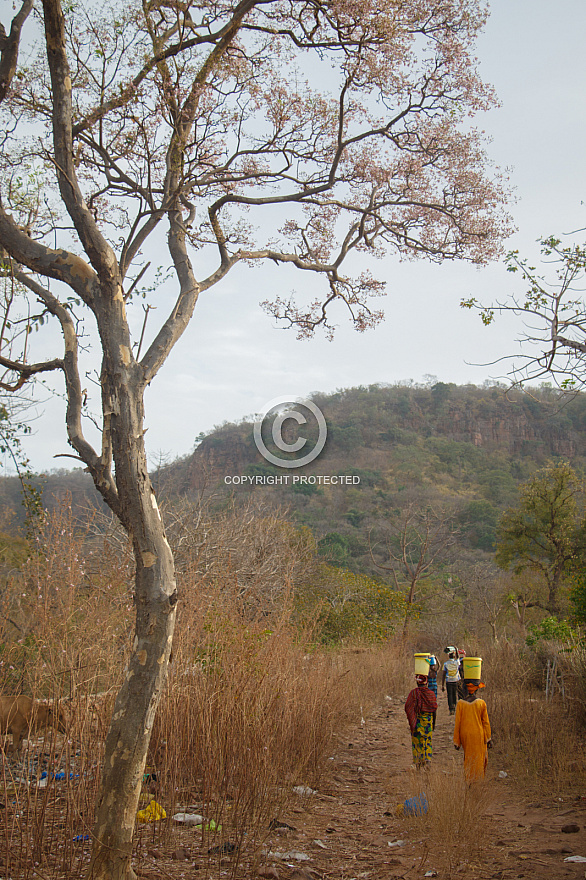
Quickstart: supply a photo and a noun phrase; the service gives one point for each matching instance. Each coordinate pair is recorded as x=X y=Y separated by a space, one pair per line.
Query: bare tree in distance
x=336 y=128
x=416 y=541
x=487 y=597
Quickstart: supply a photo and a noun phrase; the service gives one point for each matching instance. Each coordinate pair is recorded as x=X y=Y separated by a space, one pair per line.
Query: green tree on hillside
x=349 y=605
x=544 y=533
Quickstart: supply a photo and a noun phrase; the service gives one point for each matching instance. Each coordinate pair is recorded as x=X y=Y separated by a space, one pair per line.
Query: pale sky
x=233 y=359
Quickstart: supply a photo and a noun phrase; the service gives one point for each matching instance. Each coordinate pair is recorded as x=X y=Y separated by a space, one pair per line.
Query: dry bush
x=456 y=811
x=250 y=544
x=538 y=741
x=65 y=622
x=572 y=668
x=508 y=666
x=249 y=711
x=49 y=795
x=64 y=636
x=376 y=672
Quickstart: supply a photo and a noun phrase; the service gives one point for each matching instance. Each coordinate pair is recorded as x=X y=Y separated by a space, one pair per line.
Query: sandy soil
x=348 y=828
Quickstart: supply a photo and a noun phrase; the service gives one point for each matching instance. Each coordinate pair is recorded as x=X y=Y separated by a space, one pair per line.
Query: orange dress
x=472 y=731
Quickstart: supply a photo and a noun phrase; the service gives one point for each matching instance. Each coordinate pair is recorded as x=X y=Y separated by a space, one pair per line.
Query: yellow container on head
x=422 y=664
x=472 y=667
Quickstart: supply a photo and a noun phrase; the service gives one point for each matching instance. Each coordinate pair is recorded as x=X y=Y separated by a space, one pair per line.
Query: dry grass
x=454 y=810
x=539 y=743
x=250 y=709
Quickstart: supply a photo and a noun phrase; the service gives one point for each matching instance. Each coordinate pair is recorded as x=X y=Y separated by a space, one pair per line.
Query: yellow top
x=472 y=731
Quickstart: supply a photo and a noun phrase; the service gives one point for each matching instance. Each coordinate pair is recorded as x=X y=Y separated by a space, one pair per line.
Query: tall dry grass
x=250 y=709
x=538 y=741
x=454 y=823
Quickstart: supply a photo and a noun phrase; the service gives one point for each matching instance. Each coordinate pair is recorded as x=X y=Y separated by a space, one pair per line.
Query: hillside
x=461 y=450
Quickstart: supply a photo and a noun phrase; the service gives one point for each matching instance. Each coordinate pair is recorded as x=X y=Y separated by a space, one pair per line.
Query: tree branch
x=99 y=467
x=95 y=245
x=9 y=46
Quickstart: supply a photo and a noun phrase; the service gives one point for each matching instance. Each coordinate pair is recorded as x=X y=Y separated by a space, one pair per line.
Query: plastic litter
x=153 y=813
x=289 y=856
x=80 y=838
x=503 y=774
x=303 y=790
x=575 y=859
x=188 y=819
x=208 y=826
x=413 y=806
x=396 y=843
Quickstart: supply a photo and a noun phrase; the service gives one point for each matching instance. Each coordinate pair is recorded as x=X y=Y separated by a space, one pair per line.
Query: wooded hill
x=429 y=471
x=459 y=450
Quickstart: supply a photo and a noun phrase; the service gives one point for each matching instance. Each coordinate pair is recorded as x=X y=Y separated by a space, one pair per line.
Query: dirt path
x=349 y=828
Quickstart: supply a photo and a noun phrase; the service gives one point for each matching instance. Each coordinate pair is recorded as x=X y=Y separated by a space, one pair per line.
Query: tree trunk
x=409 y=603
x=130 y=729
x=553 y=589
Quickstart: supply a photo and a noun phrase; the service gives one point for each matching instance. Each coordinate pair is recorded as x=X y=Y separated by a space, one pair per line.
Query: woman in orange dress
x=472 y=732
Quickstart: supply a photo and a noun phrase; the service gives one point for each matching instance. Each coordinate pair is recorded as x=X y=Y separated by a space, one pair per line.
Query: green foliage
x=478 y=521
x=440 y=393
x=350 y=606
x=354 y=517
x=550 y=629
x=347 y=437
x=544 y=532
x=334 y=547
x=578 y=597
x=341 y=550
x=367 y=477
x=306 y=489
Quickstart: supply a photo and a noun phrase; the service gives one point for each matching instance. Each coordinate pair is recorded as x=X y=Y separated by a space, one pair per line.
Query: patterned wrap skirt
x=421 y=739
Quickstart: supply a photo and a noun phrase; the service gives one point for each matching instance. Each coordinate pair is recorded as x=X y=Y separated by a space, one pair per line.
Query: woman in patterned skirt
x=420 y=708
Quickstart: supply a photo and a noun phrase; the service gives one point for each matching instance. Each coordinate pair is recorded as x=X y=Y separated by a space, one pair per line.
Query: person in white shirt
x=451 y=677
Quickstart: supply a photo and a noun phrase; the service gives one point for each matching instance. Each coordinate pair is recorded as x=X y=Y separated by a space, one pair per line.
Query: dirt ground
x=349 y=829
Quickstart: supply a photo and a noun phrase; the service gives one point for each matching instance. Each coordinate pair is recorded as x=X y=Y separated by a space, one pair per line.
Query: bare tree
x=252 y=542
x=486 y=594
x=416 y=541
x=168 y=125
x=553 y=343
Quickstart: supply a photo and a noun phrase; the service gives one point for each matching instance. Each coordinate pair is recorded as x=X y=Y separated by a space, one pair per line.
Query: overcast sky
x=233 y=359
